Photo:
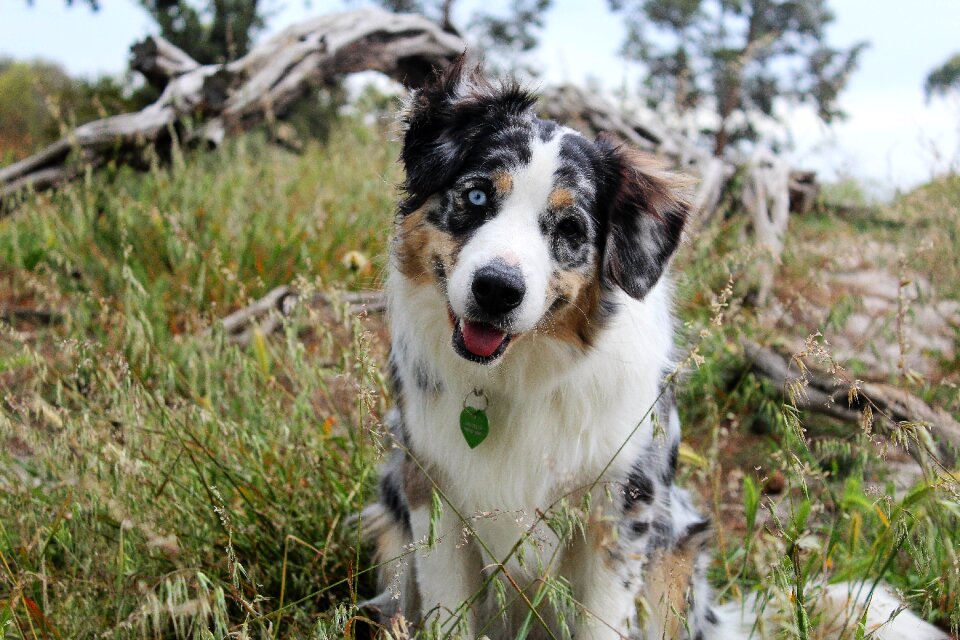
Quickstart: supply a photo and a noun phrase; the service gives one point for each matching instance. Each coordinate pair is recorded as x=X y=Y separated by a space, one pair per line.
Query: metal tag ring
x=477 y=393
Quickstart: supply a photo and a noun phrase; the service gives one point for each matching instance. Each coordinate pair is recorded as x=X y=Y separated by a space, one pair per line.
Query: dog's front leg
x=448 y=573
x=601 y=584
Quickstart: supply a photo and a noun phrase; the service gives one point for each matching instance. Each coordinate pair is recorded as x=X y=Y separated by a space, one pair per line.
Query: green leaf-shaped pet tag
x=474 y=426
x=473 y=421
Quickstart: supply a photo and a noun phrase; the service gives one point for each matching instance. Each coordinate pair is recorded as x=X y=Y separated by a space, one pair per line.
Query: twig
x=268 y=313
x=829 y=395
x=29 y=314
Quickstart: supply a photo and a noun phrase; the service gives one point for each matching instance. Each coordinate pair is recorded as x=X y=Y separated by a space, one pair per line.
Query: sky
x=892 y=139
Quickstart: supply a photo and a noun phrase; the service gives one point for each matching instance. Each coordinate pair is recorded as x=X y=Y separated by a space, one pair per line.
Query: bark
x=766 y=196
x=829 y=394
x=269 y=312
x=160 y=61
x=205 y=103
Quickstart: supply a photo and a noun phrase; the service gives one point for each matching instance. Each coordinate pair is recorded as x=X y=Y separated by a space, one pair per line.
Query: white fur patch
x=514 y=237
x=557 y=415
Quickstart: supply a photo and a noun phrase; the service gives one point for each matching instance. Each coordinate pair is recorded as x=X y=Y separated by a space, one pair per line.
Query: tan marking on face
x=567 y=284
x=417 y=244
x=502 y=182
x=560 y=198
x=578 y=320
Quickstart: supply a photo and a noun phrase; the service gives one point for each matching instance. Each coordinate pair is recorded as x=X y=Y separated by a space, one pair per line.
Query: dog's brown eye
x=570 y=228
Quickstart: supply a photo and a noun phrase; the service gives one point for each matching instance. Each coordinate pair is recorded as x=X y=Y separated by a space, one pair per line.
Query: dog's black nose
x=498 y=288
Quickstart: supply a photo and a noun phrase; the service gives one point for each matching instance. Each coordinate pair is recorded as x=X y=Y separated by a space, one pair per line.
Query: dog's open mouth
x=478 y=341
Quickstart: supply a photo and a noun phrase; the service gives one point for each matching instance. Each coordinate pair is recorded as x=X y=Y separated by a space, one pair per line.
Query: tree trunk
x=729 y=91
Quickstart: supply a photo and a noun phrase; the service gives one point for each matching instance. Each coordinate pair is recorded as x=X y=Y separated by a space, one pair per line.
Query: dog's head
x=524 y=225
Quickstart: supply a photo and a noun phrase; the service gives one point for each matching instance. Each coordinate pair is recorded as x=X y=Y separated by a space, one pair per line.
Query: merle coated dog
x=527 y=291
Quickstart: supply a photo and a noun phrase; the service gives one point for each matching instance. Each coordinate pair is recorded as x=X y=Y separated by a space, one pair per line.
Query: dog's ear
x=645 y=208
x=442 y=121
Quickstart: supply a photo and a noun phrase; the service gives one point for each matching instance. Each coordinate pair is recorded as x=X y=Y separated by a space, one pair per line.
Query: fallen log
x=159 y=61
x=268 y=313
x=15 y=314
x=829 y=394
x=590 y=113
x=204 y=103
x=766 y=197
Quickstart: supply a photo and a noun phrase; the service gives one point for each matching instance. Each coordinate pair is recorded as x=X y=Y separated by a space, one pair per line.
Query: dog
x=532 y=342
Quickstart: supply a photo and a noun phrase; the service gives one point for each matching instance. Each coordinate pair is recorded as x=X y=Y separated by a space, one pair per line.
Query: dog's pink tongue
x=481 y=339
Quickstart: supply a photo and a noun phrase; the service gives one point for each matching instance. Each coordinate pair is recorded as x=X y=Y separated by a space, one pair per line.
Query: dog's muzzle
x=497 y=289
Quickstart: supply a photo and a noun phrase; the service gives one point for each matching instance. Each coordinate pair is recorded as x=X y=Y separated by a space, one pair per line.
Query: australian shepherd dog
x=531 y=488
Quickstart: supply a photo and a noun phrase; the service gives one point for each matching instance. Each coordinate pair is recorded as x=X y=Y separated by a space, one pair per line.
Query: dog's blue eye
x=477 y=197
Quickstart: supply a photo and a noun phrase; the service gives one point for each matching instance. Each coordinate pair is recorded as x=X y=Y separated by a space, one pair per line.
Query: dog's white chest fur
x=559 y=419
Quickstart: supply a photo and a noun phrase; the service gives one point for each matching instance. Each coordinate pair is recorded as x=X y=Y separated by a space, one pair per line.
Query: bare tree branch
x=766 y=196
x=160 y=61
x=829 y=395
x=206 y=102
x=268 y=313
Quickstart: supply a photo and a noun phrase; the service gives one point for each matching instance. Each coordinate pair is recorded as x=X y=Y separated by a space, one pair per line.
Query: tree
x=501 y=38
x=39 y=102
x=440 y=11
x=945 y=79
x=505 y=38
x=217 y=31
x=736 y=58
x=210 y=32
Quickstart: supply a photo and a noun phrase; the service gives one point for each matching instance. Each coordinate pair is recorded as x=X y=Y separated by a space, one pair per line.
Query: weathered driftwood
x=206 y=102
x=590 y=113
x=268 y=313
x=160 y=61
x=766 y=197
x=804 y=190
x=830 y=395
x=714 y=175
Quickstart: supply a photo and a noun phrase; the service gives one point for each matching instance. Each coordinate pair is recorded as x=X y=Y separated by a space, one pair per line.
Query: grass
x=157 y=480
